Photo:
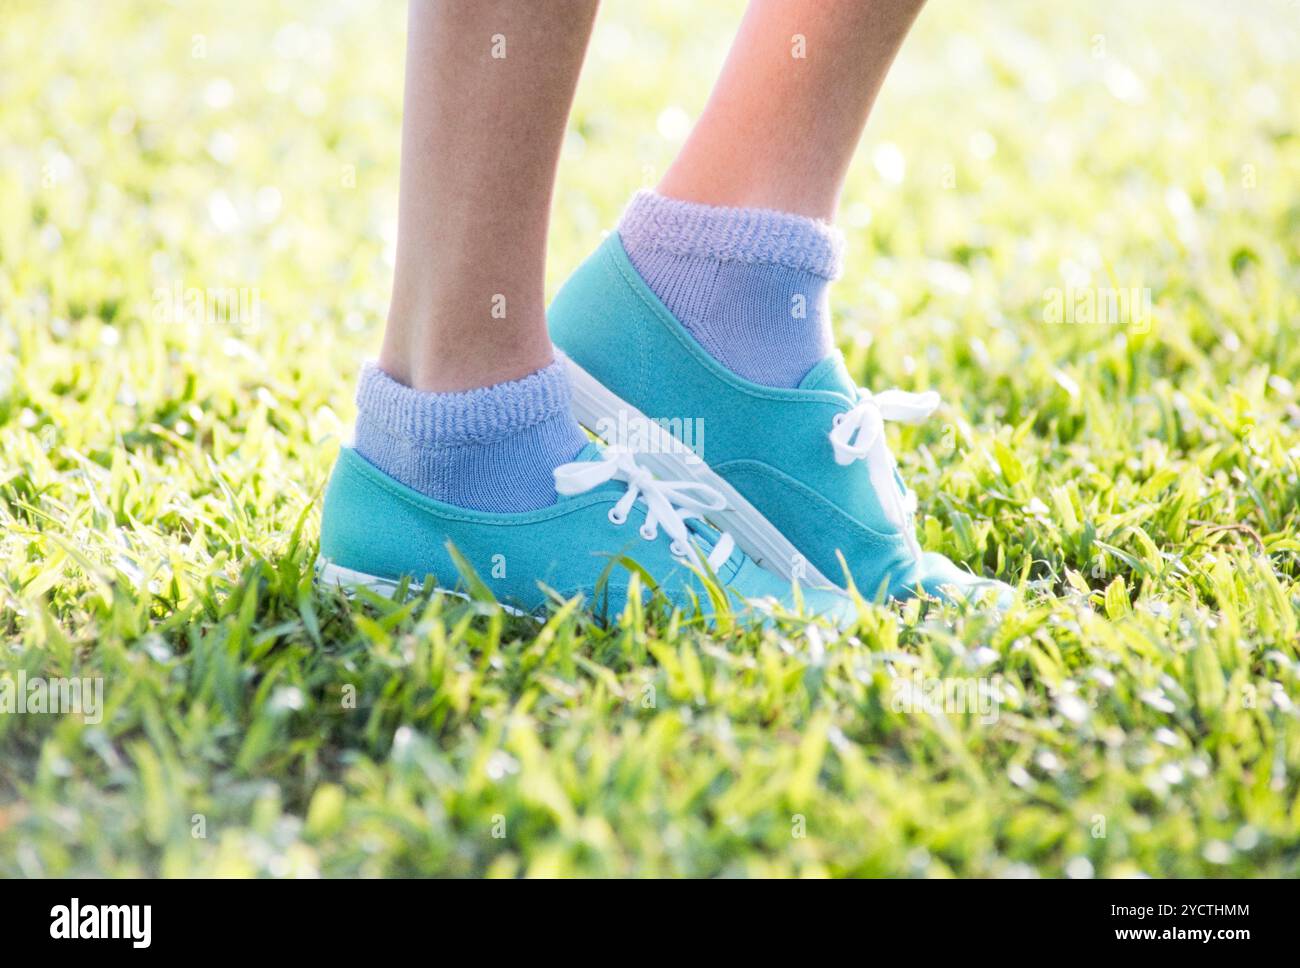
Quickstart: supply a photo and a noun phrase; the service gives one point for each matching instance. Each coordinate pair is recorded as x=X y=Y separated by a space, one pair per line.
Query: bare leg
x=489 y=84
x=779 y=130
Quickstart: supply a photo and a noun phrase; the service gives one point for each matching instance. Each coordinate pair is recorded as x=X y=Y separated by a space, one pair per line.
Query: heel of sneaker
x=331 y=576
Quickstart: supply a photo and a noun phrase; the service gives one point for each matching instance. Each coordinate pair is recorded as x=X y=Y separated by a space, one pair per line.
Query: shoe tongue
x=831 y=374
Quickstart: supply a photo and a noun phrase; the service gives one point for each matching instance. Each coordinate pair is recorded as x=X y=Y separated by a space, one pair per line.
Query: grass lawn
x=1137 y=479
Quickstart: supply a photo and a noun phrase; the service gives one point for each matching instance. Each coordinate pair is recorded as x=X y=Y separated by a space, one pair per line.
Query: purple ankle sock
x=749 y=284
x=490 y=449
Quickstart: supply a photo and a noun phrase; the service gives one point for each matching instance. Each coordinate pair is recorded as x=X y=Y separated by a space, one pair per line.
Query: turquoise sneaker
x=375 y=532
x=806 y=473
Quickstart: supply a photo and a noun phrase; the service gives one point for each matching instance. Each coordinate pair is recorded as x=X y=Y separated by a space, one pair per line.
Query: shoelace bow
x=855 y=433
x=668 y=503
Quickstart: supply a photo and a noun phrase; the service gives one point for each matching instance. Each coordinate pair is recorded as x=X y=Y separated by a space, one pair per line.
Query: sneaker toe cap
x=937 y=575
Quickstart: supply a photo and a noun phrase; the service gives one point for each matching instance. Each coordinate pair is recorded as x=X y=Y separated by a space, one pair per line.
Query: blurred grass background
x=157 y=480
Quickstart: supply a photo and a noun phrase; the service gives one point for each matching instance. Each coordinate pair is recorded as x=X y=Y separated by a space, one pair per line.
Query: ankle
x=419 y=358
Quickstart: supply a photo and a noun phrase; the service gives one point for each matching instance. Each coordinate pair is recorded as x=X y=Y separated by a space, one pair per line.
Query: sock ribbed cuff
x=750 y=235
x=480 y=416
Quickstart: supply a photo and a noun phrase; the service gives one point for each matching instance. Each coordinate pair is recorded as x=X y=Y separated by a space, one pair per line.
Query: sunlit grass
x=1137 y=480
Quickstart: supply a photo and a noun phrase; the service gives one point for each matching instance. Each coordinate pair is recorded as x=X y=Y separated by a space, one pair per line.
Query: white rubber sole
x=595 y=406
x=330 y=575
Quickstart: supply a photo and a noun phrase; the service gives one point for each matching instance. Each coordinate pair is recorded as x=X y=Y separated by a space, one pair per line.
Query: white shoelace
x=859 y=434
x=668 y=503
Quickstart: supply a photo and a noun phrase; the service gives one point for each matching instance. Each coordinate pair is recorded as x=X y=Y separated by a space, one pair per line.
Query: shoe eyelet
x=677 y=549
x=648 y=533
x=837 y=420
x=615 y=517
